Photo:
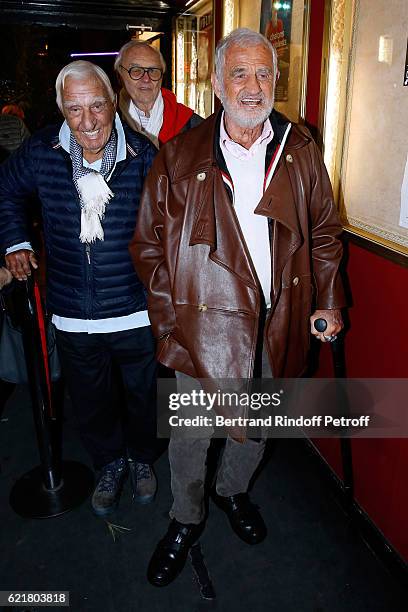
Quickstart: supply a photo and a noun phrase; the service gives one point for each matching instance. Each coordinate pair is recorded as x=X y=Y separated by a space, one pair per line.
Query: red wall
x=376 y=347
x=314 y=61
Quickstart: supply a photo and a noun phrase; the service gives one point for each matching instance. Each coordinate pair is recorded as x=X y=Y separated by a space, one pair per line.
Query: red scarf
x=175 y=116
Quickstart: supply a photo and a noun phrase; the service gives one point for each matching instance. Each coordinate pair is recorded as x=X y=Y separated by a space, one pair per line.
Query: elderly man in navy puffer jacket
x=88 y=174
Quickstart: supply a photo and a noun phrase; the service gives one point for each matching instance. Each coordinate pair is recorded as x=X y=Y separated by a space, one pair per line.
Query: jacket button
x=295 y=281
x=289 y=158
x=201 y=176
x=202 y=307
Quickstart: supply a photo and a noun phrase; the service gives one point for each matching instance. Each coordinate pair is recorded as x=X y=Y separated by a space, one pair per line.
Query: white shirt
x=247 y=171
x=151 y=125
x=137 y=113
x=94 y=326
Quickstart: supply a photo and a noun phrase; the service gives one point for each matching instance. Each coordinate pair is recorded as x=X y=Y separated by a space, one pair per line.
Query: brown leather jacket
x=203 y=293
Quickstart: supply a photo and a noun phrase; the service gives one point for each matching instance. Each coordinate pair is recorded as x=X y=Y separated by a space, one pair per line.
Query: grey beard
x=242 y=119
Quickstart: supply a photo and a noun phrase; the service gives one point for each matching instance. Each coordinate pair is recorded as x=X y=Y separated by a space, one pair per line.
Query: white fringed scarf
x=92 y=188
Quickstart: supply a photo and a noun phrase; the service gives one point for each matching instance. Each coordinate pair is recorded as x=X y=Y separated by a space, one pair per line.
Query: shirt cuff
x=19 y=246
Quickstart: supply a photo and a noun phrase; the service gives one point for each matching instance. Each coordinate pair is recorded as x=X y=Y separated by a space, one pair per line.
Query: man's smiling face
x=89 y=112
x=247 y=87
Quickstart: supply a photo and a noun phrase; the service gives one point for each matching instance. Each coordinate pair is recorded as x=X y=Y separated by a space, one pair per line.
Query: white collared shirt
x=94 y=326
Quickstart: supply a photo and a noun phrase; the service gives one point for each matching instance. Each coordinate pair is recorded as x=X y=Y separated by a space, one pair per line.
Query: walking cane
x=339 y=364
x=55 y=486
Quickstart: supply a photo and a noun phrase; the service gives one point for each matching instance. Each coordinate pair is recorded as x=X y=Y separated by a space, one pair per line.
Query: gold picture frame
x=193 y=52
x=286 y=25
x=364 y=106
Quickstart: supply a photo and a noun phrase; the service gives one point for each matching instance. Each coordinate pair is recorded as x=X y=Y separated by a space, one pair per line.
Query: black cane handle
x=337 y=349
x=320 y=325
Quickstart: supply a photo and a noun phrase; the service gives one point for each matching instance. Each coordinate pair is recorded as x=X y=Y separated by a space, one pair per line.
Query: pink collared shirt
x=246 y=169
x=238 y=150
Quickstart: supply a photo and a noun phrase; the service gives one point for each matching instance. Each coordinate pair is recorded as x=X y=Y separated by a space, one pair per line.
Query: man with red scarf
x=145 y=105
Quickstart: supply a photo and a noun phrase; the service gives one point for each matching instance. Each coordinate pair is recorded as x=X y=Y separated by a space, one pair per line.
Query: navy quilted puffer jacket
x=105 y=284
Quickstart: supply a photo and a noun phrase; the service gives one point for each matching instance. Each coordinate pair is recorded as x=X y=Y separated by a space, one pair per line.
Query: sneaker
x=144 y=483
x=105 y=498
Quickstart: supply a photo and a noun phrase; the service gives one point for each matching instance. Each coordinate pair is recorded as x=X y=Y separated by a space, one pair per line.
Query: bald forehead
x=142 y=56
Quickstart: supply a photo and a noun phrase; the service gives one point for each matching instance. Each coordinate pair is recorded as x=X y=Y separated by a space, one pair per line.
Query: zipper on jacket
x=88 y=273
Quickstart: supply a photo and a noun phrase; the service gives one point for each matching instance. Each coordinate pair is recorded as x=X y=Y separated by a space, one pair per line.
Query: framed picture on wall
x=193 y=50
x=285 y=24
x=365 y=120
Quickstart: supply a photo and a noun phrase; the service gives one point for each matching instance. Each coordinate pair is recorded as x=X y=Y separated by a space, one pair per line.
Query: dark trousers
x=88 y=363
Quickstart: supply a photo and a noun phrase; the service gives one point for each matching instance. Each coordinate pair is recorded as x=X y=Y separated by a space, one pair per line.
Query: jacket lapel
x=278 y=205
x=216 y=225
x=215 y=222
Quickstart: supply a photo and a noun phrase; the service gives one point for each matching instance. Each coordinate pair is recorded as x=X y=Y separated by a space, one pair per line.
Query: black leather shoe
x=171 y=552
x=243 y=515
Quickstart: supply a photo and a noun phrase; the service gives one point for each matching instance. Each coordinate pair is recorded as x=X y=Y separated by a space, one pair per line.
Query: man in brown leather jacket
x=238 y=245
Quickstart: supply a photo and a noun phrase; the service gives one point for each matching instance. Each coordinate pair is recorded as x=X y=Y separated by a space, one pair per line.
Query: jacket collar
x=208 y=156
x=65 y=135
x=215 y=213
x=175 y=116
x=205 y=139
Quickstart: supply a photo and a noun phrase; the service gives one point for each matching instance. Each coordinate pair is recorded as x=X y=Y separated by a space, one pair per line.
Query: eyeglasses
x=137 y=72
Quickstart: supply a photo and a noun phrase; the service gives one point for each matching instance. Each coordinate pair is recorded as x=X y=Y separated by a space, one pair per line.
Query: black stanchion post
x=53 y=487
x=40 y=397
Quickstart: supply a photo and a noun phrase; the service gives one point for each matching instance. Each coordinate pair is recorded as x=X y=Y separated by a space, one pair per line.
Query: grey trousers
x=188 y=463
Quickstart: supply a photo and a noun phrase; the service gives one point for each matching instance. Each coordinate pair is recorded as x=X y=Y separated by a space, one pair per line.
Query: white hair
x=79 y=71
x=242 y=38
x=135 y=44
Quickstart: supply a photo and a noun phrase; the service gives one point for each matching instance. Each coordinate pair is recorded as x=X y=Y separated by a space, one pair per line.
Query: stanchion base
x=30 y=499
